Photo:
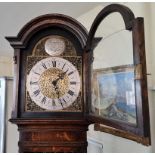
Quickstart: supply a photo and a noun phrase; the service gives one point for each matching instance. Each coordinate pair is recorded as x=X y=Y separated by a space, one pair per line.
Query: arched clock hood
x=46 y=21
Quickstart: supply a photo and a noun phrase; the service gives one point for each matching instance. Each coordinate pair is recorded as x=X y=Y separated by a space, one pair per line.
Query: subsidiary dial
x=54 y=46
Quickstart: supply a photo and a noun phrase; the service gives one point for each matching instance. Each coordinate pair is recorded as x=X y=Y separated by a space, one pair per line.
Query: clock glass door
x=118 y=75
x=113 y=93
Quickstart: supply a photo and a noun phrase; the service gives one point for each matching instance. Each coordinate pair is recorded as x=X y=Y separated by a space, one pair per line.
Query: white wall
x=6 y=66
x=106 y=49
x=12 y=135
x=151 y=63
x=15 y=15
x=6 y=69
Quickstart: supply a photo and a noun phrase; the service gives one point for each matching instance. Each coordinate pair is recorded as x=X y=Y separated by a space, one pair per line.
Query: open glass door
x=118 y=86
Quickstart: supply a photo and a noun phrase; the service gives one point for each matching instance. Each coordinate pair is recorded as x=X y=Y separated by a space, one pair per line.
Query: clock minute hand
x=55 y=81
x=60 y=76
x=57 y=92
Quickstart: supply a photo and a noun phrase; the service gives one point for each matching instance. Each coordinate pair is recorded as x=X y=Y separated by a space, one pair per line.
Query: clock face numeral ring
x=53 y=83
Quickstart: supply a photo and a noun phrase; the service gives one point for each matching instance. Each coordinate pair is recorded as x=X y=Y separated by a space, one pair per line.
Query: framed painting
x=114 y=100
x=114 y=94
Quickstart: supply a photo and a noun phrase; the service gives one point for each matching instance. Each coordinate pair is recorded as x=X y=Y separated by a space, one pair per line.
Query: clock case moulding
x=85 y=43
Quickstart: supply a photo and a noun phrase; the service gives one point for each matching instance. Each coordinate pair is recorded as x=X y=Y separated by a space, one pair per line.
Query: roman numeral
x=36 y=93
x=73 y=83
x=54 y=63
x=36 y=73
x=63 y=66
x=66 y=71
x=70 y=73
x=53 y=103
x=64 y=100
x=43 y=64
x=70 y=92
x=60 y=103
x=33 y=83
x=43 y=101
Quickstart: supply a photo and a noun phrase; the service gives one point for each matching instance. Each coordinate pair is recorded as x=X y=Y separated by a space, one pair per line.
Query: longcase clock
x=49 y=101
x=53 y=104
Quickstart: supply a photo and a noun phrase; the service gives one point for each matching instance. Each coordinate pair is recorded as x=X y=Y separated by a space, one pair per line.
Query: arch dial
x=55 y=45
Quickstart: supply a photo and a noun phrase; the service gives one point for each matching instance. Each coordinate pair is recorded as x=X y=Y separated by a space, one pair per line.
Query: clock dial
x=53 y=83
x=54 y=46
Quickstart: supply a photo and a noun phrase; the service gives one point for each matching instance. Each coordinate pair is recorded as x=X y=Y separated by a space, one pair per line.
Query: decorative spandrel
x=63 y=93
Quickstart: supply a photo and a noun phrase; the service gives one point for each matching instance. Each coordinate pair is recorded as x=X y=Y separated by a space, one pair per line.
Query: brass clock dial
x=53 y=83
x=54 y=46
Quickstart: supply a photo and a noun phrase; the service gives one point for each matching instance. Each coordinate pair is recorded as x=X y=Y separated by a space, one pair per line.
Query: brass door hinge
x=138 y=72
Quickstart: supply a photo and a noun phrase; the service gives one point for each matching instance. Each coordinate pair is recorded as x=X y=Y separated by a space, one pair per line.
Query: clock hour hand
x=55 y=82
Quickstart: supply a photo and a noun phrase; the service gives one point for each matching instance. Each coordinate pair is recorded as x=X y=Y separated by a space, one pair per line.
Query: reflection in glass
x=114 y=94
x=114 y=50
x=113 y=89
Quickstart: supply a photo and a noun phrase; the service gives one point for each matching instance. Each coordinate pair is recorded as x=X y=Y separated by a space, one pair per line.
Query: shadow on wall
x=94 y=146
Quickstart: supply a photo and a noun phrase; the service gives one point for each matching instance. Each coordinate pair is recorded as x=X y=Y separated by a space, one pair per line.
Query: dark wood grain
x=46 y=135
x=141 y=84
x=125 y=12
x=46 y=21
x=14 y=113
x=122 y=133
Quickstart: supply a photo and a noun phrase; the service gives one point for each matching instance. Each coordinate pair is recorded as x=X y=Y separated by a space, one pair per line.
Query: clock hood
x=45 y=21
